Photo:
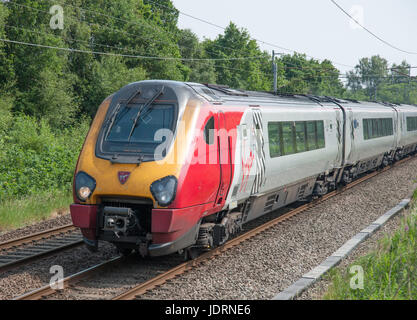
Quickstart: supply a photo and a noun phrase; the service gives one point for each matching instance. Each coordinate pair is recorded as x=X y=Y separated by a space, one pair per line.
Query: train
x=174 y=167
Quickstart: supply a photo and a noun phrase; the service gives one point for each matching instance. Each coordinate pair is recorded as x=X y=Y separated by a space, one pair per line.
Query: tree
x=369 y=74
x=163 y=12
x=250 y=73
x=310 y=76
x=110 y=75
x=373 y=79
x=195 y=71
x=400 y=73
x=43 y=85
x=124 y=27
x=7 y=75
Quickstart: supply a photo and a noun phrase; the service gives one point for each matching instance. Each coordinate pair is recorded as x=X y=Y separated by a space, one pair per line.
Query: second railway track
x=164 y=277
x=16 y=252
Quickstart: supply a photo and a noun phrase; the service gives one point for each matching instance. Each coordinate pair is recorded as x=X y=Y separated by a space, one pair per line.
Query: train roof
x=220 y=93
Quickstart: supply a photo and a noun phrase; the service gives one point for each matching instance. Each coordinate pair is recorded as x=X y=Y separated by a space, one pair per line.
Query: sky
x=314 y=27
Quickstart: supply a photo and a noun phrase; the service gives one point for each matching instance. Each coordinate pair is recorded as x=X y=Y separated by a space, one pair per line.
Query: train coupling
x=119 y=220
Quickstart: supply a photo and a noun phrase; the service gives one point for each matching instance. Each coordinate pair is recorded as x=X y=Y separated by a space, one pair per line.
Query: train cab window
x=209 y=131
x=411 y=123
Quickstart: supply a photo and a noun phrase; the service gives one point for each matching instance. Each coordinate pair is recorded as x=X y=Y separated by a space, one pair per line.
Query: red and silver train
x=173 y=167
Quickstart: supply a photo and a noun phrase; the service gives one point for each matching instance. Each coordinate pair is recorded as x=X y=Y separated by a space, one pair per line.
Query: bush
x=34 y=159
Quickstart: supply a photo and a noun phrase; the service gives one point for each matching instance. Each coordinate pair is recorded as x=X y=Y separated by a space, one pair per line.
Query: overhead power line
x=143 y=22
x=152 y=39
x=370 y=32
x=117 y=54
x=141 y=36
x=136 y=22
x=207 y=63
x=258 y=40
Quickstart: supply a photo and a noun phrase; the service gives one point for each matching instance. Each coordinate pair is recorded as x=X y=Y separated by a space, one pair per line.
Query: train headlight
x=164 y=190
x=84 y=186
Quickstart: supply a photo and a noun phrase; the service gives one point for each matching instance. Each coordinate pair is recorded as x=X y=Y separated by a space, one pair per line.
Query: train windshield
x=133 y=129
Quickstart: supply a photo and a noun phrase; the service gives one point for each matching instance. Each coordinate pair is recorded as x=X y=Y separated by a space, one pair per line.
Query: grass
x=390 y=271
x=16 y=213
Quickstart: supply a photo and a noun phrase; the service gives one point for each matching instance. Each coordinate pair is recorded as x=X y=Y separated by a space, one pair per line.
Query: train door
x=250 y=164
x=353 y=125
x=340 y=127
x=224 y=158
x=257 y=147
x=399 y=125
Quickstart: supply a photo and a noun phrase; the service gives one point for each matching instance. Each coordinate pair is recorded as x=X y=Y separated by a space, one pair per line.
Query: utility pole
x=409 y=85
x=275 y=71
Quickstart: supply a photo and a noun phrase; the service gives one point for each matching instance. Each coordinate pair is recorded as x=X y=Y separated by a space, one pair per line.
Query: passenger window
x=209 y=131
x=312 y=135
x=300 y=132
x=365 y=130
x=377 y=128
x=274 y=143
x=411 y=123
x=320 y=135
x=288 y=138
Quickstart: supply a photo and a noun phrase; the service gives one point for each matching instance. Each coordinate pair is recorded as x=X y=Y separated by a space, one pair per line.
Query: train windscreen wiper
x=117 y=111
x=144 y=109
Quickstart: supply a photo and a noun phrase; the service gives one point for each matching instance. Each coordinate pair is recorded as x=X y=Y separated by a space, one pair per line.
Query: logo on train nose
x=123 y=176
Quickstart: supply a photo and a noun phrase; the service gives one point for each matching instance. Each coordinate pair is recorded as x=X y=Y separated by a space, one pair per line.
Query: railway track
x=27 y=249
x=187 y=266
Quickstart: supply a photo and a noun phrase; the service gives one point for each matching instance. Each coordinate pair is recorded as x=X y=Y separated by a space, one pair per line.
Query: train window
x=377 y=128
x=209 y=131
x=274 y=139
x=312 y=135
x=300 y=132
x=321 y=142
x=124 y=138
x=411 y=123
x=366 y=130
x=286 y=138
x=390 y=123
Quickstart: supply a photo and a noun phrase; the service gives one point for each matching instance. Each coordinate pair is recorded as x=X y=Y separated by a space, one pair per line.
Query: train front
x=130 y=170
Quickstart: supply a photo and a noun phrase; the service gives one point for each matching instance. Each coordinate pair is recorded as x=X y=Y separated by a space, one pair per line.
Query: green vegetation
x=389 y=271
x=36 y=168
x=15 y=213
x=374 y=79
x=48 y=96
